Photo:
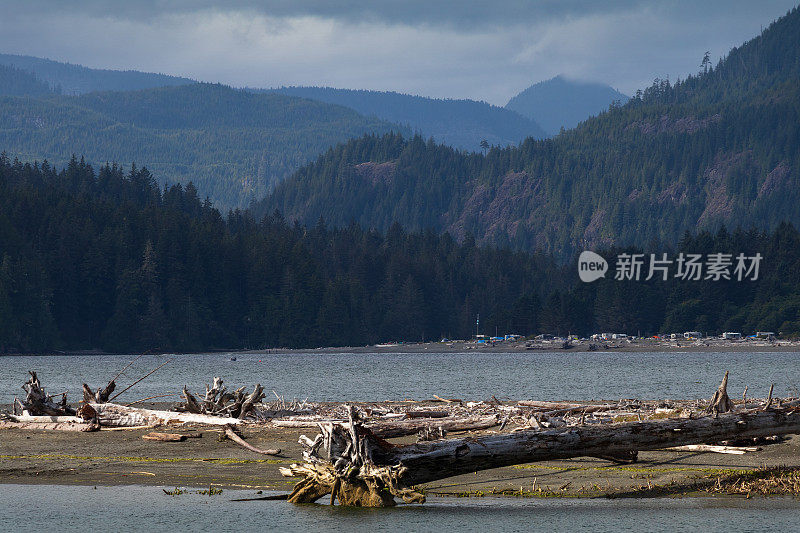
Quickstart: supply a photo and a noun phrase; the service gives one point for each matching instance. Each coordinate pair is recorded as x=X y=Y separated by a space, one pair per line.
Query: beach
x=122 y=457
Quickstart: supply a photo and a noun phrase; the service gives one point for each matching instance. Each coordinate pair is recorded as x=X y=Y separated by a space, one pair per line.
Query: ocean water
x=137 y=508
x=320 y=376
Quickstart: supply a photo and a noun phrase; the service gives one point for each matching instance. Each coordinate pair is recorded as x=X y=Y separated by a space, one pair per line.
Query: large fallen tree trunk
x=359 y=468
x=402 y=428
x=56 y=423
x=110 y=414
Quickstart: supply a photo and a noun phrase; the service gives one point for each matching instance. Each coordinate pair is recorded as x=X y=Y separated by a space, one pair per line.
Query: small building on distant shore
x=692 y=335
x=731 y=335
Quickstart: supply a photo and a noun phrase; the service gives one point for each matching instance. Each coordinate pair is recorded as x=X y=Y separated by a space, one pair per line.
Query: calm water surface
x=396 y=376
x=135 y=508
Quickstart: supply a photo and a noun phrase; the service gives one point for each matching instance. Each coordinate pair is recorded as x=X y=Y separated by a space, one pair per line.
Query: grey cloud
x=485 y=51
x=462 y=14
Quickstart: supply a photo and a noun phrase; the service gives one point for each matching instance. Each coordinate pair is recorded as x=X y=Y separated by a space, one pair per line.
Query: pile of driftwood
x=37 y=401
x=219 y=402
x=39 y=410
x=352 y=460
x=356 y=466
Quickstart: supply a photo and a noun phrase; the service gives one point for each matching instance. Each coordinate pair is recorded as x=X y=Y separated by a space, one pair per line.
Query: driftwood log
x=219 y=402
x=358 y=468
x=53 y=423
x=101 y=395
x=230 y=433
x=165 y=437
x=720 y=402
x=38 y=402
x=402 y=428
x=113 y=415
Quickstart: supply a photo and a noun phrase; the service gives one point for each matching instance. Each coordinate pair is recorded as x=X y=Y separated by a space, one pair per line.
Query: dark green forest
x=719 y=148
x=233 y=145
x=110 y=260
x=770 y=303
x=462 y=124
x=17 y=82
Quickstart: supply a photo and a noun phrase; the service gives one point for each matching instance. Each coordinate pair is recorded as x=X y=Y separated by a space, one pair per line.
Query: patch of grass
x=211 y=491
x=633 y=469
x=175 y=492
x=774 y=481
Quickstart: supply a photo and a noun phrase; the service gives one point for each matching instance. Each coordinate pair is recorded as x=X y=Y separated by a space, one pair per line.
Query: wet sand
x=124 y=458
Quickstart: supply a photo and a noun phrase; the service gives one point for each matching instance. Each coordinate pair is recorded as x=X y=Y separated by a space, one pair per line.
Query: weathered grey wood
x=710 y=448
x=230 y=433
x=38 y=402
x=253 y=398
x=401 y=428
x=101 y=396
x=721 y=403
x=165 y=437
x=51 y=426
x=218 y=401
x=110 y=414
x=349 y=457
x=191 y=405
x=303 y=423
x=426 y=462
x=426 y=414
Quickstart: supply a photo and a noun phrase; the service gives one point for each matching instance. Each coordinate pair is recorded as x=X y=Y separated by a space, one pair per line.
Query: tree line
x=109 y=260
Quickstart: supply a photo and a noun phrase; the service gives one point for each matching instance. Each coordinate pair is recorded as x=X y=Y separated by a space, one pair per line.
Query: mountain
x=721 y=147
x=66 y=78
x=16 y=82
x=560 y=102
x=462 y=124
x=234 y=145
x=109 y=260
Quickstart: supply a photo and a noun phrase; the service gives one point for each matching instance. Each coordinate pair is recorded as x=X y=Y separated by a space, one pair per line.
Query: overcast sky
x=488 y=50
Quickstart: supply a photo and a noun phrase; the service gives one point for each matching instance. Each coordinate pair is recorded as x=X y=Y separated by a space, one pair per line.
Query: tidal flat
x=122 y=457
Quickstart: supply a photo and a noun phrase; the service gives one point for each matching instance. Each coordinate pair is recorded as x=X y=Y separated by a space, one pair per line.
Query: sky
x=487 y=50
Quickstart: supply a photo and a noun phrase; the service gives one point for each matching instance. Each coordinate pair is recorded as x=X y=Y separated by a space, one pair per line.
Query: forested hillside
x=561 y=103
x=637 y=306
x=232 y=144
x=462 y=124
x=16 y=82
x=721 y=147
x=76 y=79
x=109 y=260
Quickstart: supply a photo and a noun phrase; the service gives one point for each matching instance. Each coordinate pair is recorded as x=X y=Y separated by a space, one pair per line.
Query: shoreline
x=646 y=345
x=111 y=457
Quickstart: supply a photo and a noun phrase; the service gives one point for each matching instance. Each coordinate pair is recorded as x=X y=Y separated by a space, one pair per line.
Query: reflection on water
x=136 y=508
x=393 y=376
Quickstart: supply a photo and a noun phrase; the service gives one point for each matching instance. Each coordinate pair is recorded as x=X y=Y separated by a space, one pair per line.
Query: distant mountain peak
x=563 y=101
x=459 y=123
